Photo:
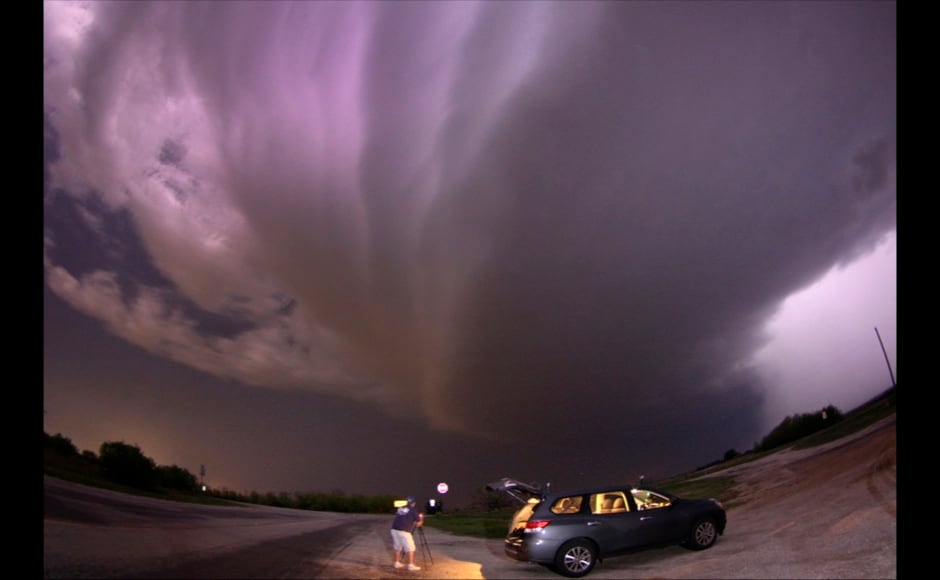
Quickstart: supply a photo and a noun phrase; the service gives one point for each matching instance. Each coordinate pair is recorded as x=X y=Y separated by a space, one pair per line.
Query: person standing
x=407 y=519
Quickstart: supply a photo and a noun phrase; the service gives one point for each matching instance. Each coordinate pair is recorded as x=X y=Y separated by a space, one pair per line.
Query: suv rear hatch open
x=529 y=495
x=518 y=490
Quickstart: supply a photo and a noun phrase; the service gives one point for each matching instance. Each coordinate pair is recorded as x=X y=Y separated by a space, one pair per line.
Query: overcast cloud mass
x=374 y=246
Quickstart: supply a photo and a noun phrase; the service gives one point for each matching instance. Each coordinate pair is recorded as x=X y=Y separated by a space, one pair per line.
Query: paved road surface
x=827 y=512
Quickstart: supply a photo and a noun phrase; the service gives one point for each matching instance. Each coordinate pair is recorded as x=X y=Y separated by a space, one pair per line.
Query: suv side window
x=647 y=500
x=567 y=505
x=608 y=502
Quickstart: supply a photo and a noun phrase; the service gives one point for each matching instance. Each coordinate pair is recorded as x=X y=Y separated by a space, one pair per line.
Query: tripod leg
x=426 y=547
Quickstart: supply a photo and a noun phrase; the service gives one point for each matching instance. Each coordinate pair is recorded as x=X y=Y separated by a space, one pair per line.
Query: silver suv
x=569 y=532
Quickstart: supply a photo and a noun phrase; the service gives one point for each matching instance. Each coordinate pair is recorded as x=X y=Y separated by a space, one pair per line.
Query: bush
x=176 y=478
x=127 y=465
x=60 y=445
x=61 y=456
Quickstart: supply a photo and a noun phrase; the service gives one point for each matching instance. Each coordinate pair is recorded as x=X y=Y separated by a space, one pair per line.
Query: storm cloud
x=507 y=221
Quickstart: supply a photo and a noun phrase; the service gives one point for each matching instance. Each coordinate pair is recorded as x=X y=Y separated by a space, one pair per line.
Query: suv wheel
x=704 y=533
x=575 y=558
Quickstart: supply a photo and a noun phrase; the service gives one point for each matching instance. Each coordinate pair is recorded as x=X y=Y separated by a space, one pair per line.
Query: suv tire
x=575 y=558
x=703 y=535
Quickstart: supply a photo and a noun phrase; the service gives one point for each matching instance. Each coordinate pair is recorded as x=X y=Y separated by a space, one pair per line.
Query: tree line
x=121 y=466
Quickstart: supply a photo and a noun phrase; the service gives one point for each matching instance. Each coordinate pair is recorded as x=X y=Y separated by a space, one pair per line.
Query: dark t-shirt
x=405 y=519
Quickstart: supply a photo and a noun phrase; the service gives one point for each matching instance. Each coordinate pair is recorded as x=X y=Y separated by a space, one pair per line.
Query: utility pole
x=884 y=352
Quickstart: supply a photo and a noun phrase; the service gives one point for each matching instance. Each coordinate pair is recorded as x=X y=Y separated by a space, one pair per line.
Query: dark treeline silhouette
x=125 y=466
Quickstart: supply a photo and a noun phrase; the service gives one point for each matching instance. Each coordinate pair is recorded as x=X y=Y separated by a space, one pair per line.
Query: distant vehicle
x=569 y=532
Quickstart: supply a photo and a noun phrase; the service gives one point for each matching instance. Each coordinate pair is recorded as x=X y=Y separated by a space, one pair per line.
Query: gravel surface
x=824 y=512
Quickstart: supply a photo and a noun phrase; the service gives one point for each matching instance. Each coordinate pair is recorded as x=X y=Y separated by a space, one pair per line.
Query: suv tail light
x=535 y=525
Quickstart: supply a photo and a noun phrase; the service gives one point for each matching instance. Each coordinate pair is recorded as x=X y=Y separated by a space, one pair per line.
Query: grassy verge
x=717 y=487
x=170 y=495
x=478 y=525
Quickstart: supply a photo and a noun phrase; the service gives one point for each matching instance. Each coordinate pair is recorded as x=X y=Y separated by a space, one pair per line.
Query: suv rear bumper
x=516 y=553
x=531 y=550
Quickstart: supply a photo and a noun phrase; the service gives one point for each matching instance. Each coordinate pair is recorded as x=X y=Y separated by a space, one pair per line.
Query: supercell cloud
x=494 y=219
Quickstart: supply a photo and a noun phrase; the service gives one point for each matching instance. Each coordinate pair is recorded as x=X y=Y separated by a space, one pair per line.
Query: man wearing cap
x=407 y=518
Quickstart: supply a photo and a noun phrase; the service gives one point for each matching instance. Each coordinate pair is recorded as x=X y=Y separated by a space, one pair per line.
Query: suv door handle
x=594 y=523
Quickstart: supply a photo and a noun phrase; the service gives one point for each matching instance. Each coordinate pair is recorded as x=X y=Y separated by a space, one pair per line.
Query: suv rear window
x=567 y=505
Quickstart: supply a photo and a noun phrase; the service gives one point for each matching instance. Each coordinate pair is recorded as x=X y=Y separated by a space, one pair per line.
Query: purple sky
x=376 y=246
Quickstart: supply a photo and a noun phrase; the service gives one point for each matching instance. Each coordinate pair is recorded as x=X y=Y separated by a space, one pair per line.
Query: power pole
x=884 y=352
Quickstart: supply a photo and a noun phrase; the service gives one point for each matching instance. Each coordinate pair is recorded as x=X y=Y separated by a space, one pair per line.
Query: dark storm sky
x=374 y=246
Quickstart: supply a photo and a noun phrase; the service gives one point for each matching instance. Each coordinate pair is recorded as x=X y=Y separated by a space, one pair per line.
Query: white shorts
x=402 y=540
